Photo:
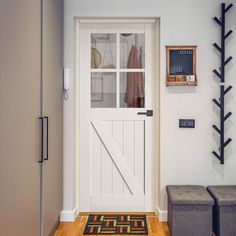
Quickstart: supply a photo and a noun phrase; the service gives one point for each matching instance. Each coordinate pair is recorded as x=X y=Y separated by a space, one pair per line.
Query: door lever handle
x=147 y=113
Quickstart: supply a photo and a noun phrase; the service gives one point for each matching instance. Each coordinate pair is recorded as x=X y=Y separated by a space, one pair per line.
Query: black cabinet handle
x=41 y=139
x=46 y=117
x=147 y=113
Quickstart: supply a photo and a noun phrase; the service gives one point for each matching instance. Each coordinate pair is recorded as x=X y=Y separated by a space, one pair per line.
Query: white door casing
x=116 y=146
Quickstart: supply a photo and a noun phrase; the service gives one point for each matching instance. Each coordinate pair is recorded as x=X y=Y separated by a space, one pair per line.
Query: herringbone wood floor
x=155 y=227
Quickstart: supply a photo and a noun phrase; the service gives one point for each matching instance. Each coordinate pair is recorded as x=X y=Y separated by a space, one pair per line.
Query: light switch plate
x=186 y=123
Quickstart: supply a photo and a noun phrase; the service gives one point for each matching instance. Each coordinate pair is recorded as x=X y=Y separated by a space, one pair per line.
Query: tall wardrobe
x=31 y=96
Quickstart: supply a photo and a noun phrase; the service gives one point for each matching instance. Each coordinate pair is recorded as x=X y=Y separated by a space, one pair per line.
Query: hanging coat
x=134 y=95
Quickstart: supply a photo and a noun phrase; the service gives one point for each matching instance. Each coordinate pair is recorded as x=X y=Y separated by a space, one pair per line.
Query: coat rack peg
x=216 y=154
x=227 y=142
x=228 y=60
x=227 y=8
x=228 y=89
x=216 y=128
x=216 y=102
x=217 y=21
x=217 y=74
x=228 y=34
x=217 y=47
x=227 y=116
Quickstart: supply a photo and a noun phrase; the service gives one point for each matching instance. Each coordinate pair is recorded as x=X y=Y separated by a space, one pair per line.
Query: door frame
x=77 y=135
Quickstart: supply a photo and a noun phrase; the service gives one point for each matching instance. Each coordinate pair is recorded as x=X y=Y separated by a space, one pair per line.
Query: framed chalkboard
x=181 y=62
x=181 y=65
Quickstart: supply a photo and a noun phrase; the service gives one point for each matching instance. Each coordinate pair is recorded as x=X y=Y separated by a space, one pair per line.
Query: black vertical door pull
x=46 y=118
x=41 y=139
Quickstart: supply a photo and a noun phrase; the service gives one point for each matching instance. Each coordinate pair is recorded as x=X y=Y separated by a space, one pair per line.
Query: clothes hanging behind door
x=134 y=95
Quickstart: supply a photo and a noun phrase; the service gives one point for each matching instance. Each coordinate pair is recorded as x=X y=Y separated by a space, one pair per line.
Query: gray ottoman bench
x=189 y=211
x=224 y=211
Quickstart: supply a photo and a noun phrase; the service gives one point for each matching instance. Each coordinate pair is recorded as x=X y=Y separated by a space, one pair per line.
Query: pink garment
x=134 y=95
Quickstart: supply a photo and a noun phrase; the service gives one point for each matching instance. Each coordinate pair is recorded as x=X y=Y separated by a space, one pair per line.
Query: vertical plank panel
x=129 y=146
x=95 y=163
x=139 y=152
x=118 y=183
x=107 y=167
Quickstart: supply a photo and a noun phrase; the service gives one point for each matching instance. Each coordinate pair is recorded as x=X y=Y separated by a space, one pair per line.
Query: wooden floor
x=155 y=227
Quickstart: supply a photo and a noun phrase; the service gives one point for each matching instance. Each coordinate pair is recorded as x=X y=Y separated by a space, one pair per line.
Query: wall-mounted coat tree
x=221 y=75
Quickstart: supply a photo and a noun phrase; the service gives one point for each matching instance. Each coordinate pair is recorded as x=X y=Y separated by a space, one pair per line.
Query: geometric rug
x=129 y=224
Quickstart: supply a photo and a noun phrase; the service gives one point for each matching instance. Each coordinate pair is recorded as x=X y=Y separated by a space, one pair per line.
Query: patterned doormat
x=116 y=224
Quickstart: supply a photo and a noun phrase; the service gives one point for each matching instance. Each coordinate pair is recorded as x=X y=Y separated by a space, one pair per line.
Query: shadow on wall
x=220 y=169
x=181 y=90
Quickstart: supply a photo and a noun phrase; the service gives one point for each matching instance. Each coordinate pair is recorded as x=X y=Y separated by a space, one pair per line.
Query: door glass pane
x=103 y=51
x=132 y=51
x=103 y=90
x=132 y=87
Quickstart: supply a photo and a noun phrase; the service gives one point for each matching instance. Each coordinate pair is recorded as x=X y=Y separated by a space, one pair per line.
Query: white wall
x=185 y=155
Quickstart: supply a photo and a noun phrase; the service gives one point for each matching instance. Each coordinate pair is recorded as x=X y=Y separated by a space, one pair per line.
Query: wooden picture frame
x=181 y=66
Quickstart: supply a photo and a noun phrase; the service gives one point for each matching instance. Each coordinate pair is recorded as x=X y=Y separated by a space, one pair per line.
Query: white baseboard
x=68 y=216
x=162 y=215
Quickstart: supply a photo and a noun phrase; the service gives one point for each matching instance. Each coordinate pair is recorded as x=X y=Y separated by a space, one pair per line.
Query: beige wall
x=185 y=154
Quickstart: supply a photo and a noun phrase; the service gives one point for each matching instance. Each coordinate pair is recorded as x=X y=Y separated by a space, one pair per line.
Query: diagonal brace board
x=117 y=157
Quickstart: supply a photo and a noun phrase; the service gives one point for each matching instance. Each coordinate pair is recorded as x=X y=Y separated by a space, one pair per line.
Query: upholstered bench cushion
x=189 y=195
x=224 y=195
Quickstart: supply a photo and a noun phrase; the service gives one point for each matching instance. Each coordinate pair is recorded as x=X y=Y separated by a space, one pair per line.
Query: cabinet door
x=19 y=123
x=52 y=106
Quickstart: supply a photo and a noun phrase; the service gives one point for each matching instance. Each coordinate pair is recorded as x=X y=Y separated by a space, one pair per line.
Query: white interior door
x=116 y=149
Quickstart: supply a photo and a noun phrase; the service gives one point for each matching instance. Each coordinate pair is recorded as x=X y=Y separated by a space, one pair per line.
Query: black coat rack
x=221 y=75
